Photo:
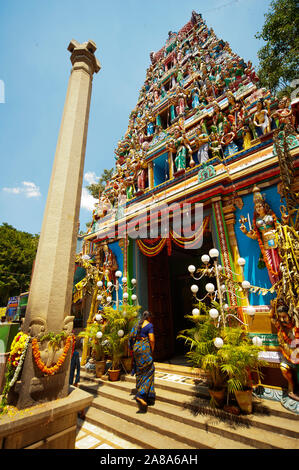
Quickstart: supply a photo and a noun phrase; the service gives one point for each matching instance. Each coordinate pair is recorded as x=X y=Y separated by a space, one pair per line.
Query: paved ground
x=90 y=436
x=94 y=437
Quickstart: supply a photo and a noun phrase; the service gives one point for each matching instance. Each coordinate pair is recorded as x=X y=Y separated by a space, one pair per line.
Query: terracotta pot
x=244 y=399
x=114 y=375
x=100 y=368
x=218 y=396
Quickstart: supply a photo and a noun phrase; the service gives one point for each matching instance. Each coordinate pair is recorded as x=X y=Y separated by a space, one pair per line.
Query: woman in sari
x=142 y=343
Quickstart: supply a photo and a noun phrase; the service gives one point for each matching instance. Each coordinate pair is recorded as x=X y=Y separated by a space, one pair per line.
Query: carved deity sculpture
x=261 y=119
x=202 y=140
x=182 y=147
x=264 y=231
x=288 y=337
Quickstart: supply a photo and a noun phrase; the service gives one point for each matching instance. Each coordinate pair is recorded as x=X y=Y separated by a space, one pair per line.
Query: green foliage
x=239 y=358
x=90 y=333
x=119 y=319
x=279 y=56
x=228 y=366
x=17 y=253
x=96 y=188
x=203 y=353
x=54 y=340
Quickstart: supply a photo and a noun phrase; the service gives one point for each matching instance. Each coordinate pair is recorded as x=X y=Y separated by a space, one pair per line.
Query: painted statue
x=264 y=231
x=261 y=119
x=288 y=337
x=182 y=147
x=202 y=140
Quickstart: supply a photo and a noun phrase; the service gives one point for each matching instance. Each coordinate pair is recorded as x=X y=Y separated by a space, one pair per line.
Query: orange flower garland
x=41 y=365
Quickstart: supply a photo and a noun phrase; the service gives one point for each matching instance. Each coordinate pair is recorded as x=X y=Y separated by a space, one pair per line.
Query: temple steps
x=174 y=423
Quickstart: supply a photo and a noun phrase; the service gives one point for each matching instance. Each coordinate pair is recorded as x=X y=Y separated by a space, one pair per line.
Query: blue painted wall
x=116 y=250
x=161 y=172
x=250 y=250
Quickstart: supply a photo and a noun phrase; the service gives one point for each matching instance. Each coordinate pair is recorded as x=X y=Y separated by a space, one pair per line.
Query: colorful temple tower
x=205 y=145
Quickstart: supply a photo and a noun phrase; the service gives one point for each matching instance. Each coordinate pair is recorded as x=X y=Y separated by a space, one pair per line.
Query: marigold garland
x=41 y=365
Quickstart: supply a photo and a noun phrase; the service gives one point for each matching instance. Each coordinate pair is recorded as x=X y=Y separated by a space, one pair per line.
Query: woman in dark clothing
x=142 y=343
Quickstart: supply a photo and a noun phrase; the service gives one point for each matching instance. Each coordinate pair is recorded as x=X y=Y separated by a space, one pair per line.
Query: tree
x=279 y=57
x=17 y=253
x=96 y=188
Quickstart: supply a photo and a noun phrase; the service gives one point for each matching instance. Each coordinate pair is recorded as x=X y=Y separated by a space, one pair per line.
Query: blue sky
x=35 y=67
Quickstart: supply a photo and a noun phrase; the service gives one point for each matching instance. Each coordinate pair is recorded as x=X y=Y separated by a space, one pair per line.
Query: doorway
x=170 y=297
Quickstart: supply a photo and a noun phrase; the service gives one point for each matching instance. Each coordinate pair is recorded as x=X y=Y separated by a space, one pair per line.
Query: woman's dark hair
x=145 y=316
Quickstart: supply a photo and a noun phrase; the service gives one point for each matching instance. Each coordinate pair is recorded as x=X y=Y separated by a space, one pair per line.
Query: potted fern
x=116 y=338
x=130 y=313
x=203 y=352
x=239 y=359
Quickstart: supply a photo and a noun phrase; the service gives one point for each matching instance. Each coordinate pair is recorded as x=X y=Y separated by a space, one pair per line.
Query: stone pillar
x=50 y=295
x=51 y=287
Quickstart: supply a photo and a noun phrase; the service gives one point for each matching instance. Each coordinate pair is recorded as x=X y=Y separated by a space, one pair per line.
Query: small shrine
x=206 y=145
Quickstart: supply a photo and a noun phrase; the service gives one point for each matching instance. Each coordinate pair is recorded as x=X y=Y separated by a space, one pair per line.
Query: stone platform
x=51 y=425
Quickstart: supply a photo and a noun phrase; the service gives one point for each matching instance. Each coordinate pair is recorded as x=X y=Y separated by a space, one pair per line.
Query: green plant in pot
x=116 y=338
x=240 y=358
x=96 y=337
x=203 y=353
x=130 y=313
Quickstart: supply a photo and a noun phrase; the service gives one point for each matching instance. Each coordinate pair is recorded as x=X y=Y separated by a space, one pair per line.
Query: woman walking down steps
x=142 y=343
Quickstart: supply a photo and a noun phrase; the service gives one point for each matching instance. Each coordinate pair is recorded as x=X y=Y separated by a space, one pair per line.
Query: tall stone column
x=50 y=296
x=51 y=287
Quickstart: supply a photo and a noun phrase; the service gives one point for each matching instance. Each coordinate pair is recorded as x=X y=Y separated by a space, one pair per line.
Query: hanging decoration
x=152 y=247
x=41 y=365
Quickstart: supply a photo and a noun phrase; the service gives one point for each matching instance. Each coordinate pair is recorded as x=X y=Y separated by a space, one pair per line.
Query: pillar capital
x=82 y=56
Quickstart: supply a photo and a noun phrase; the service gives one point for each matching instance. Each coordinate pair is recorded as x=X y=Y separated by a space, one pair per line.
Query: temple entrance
x=170 y=297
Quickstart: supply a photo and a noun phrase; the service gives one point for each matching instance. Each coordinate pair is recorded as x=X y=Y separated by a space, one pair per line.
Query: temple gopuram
x=207 y=144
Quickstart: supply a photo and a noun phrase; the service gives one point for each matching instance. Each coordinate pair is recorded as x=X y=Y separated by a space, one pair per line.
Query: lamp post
x=216 y=269
x=105 y=295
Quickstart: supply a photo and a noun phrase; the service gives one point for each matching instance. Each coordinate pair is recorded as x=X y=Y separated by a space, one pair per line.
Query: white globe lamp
x=133 y=296
x=195 y=312
x=99 y=334
x=133 y=281
x=118 y=274
x=245 y=284
x=109 y=299
x=205 y=259
x=213 y=313
x=109 y=284
x=120 y=333
x=191 y=269
x=99 y=284
x=218 y=342
x=99 y=297
x=124 y=279
x=125 y=295
x=98 y=317
x=214 y=253
x=210 y=287
x=241 y=262
x=194 y=288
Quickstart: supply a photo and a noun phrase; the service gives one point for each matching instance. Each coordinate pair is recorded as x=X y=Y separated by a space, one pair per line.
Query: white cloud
x=28 y=188
x=87 y=200
x=90 y=177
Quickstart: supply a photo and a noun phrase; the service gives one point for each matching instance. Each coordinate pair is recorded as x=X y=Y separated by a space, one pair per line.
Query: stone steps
x=170 y=423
